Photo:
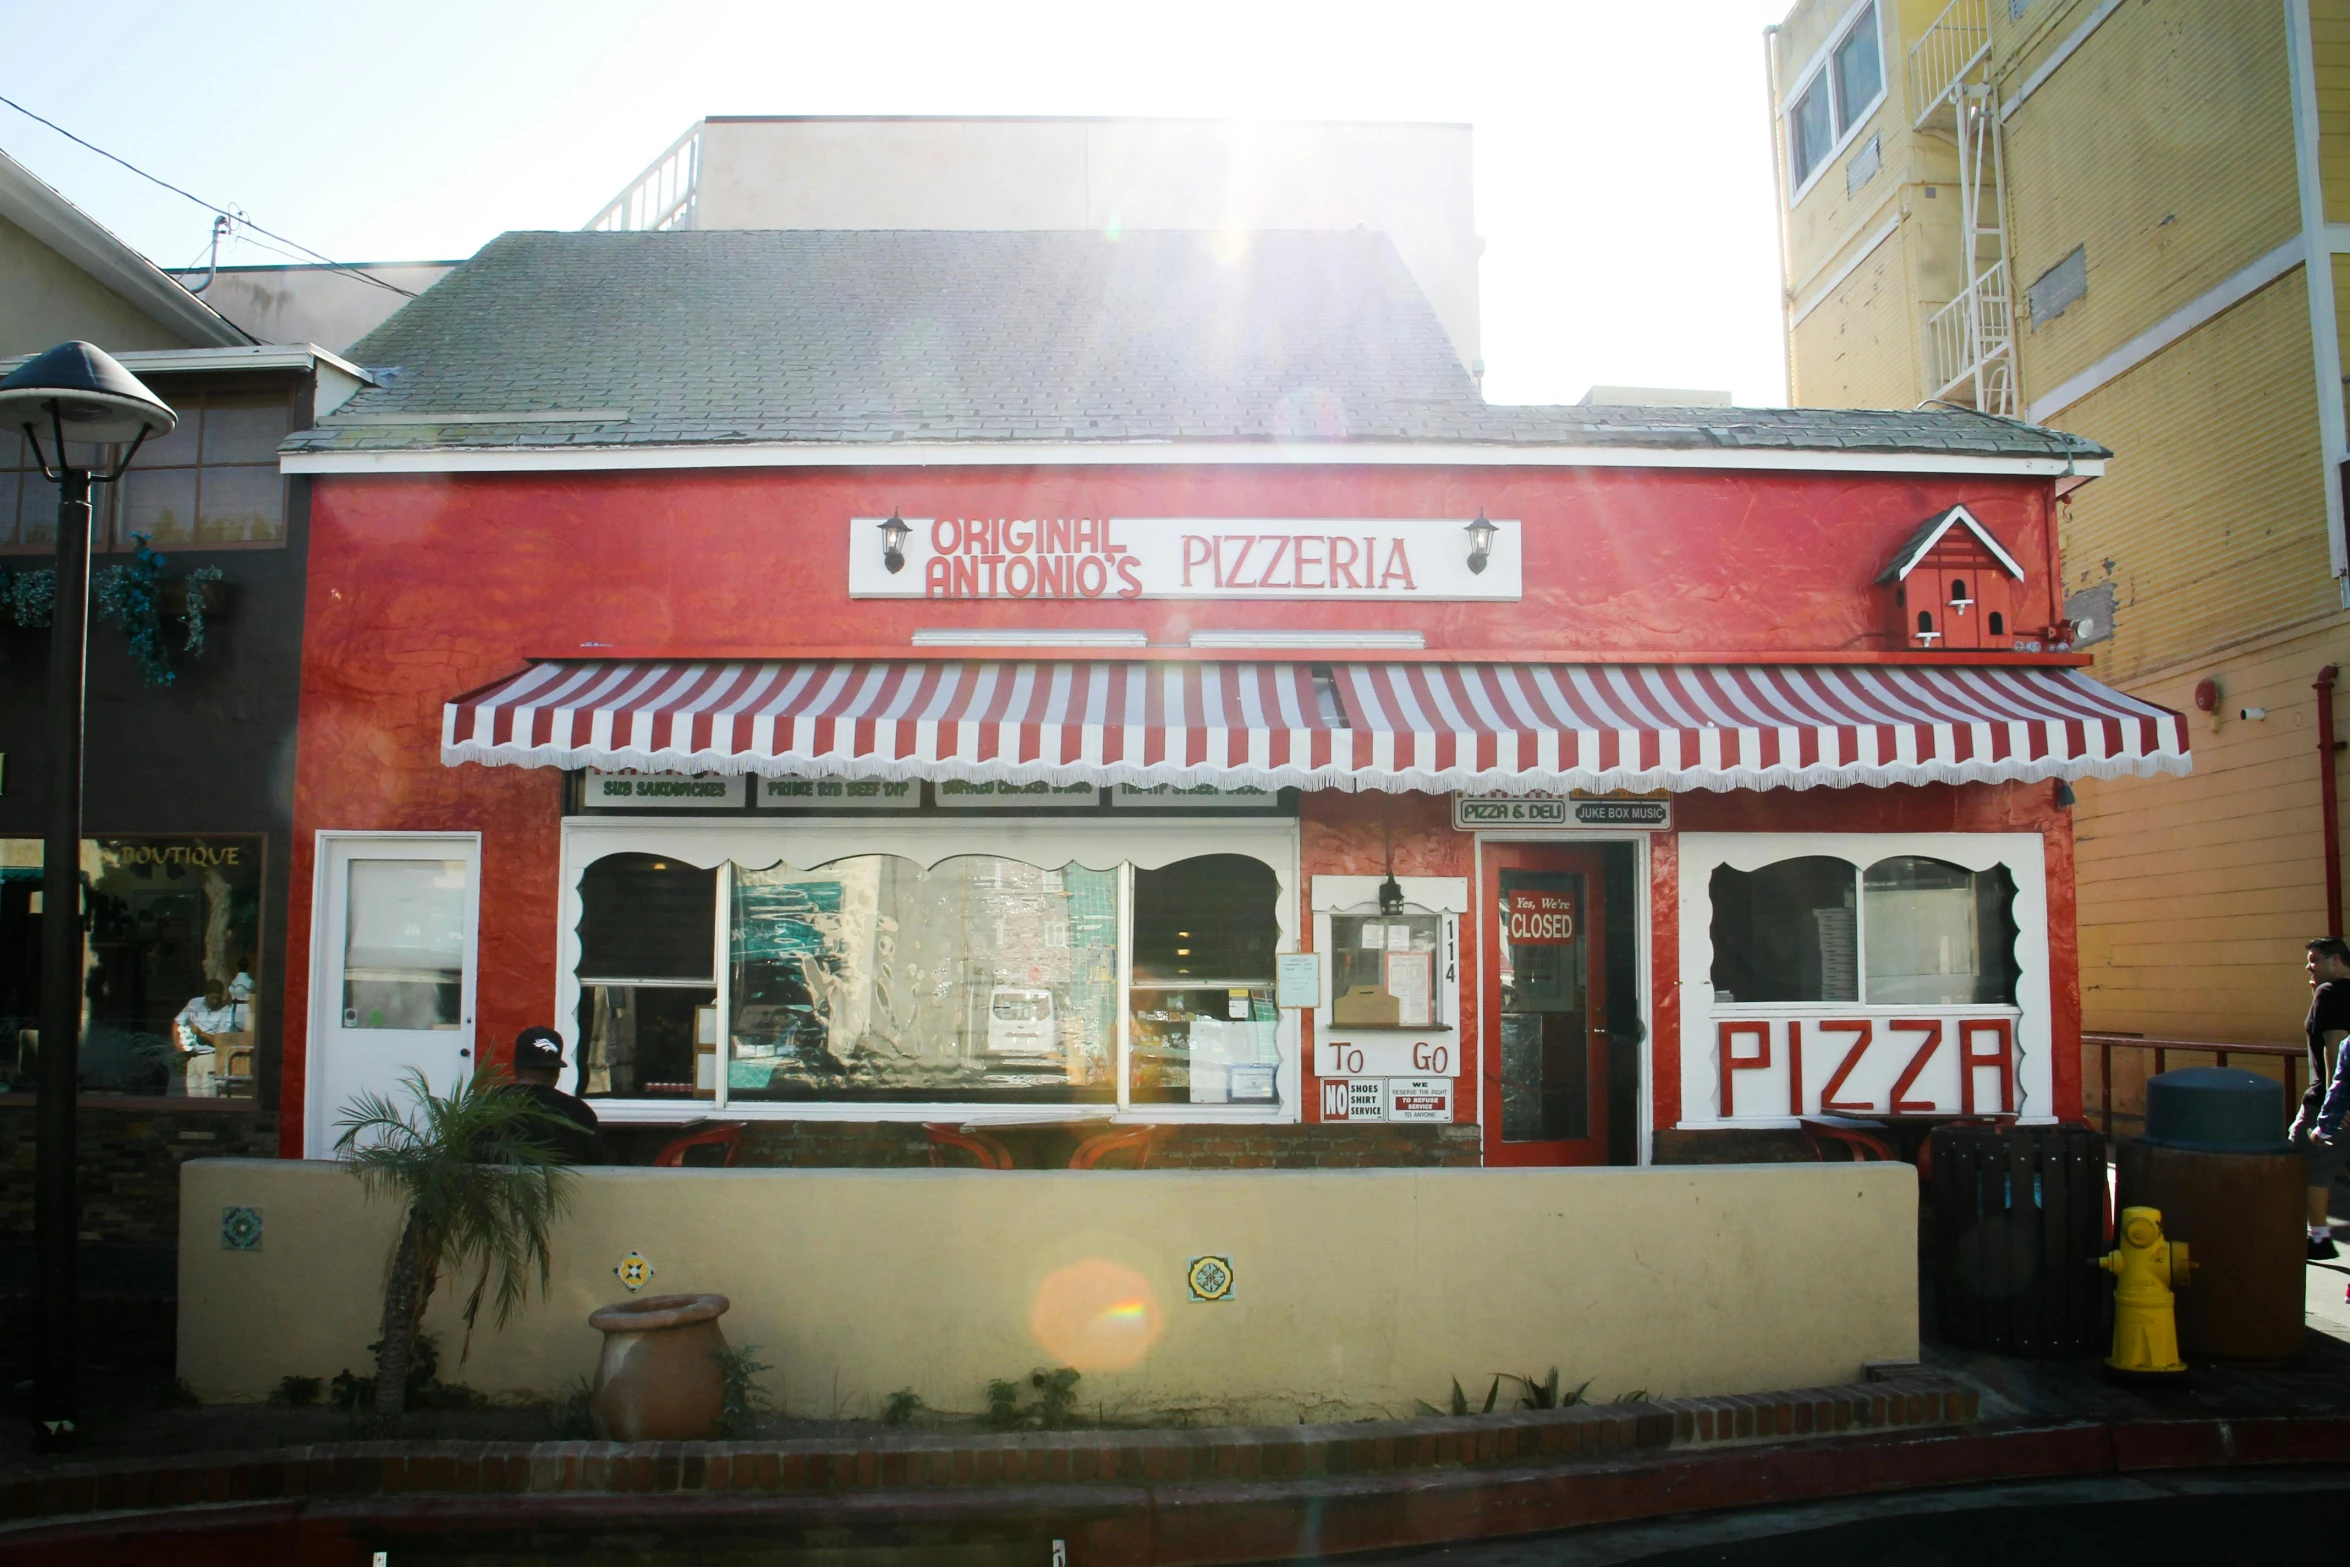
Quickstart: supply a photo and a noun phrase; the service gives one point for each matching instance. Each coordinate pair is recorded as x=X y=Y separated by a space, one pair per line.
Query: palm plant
x=479 y=1175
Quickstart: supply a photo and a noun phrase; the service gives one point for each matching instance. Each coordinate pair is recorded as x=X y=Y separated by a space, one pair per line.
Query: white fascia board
x=2064 y=52
x=1237 y=454
x=2228 y=292
x=1820 y=294
x=1950 y=519
x=241 y=356
x=42 y=212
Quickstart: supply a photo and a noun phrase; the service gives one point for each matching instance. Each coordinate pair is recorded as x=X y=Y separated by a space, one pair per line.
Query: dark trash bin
x=2215 y=1161
x=2017 y=1218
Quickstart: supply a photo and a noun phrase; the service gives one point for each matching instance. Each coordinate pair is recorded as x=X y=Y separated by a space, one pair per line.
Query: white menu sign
x=1408 y=558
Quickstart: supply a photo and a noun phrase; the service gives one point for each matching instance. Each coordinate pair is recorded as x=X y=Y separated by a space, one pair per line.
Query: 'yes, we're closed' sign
x=1538 y=917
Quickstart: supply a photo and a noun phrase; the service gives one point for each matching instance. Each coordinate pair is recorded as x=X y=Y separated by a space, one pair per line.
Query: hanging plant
x=27 y=597
x=131 y=596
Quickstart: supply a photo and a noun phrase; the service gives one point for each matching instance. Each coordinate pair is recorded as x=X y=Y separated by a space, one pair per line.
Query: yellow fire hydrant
x=2147 y=1268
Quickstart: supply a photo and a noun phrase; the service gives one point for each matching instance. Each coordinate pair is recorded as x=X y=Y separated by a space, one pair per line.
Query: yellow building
x=2128 y=219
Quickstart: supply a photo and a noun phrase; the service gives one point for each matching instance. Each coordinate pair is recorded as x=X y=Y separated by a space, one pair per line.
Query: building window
x=1786 y=932
x=1836 y=100
x=213 y=481
x=28 y=501
x=171 y=963
x=647 y=988
x=981 y=979
x=1936 y=934
x=1909 y=931
x=963 y=979
x=1205 y=1029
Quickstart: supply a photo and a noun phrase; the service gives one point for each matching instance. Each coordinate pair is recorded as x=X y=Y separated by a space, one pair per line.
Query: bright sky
x=1622 y=150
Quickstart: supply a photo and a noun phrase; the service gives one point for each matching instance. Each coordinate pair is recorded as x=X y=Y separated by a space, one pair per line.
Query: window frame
x=2025 y=857
x=1124 y=844
x=1844 y=122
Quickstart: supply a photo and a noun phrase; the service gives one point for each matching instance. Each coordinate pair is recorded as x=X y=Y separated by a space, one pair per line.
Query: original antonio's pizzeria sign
x=1185 y=557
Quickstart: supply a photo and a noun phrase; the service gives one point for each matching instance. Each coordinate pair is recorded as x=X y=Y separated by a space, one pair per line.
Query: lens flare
x=1096 y=1315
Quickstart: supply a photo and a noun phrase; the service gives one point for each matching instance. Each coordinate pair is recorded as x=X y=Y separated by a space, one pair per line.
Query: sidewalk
x=1222 y=1496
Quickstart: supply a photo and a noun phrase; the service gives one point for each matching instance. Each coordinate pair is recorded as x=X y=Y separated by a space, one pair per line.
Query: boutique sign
x=1185 y=558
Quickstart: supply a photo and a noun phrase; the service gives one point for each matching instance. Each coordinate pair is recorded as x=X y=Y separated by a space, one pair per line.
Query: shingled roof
x=895 y=336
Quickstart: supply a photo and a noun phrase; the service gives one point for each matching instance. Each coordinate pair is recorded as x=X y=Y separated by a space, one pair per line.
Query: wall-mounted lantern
x=1481 y=535
x=893 y=542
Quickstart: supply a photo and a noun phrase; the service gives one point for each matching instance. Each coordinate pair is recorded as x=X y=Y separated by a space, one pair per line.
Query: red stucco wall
x=422 y=587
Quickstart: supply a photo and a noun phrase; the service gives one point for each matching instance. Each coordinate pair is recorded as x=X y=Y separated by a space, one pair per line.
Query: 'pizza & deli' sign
x=1183 y=557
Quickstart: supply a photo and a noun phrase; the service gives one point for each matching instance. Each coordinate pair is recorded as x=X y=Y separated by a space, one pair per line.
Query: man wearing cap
x=2317 y=1130
x=538 y=1063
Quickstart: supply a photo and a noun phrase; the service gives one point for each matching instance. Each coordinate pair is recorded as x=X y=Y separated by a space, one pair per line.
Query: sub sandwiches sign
x=1184 y=558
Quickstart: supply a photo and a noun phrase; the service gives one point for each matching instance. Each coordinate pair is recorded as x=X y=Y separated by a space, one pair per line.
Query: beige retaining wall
x=1354 y=1294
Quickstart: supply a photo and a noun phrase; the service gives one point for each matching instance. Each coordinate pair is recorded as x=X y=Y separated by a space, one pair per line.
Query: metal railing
x=663 y=196
x=1959 y=40
x=2106 y=1044
x=1970 y=346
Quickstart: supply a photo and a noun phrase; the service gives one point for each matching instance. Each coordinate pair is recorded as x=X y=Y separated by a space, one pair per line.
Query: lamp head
x=894 y=534
x=1390 y=895
x=1481 y=535
x=76 y=392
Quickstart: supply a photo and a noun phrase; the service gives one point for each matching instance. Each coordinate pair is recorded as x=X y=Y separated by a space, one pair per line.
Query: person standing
x=2317 y=1129
x=538 y=1065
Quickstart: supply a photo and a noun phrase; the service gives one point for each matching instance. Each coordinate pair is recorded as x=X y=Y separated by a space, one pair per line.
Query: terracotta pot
x=659 y=1379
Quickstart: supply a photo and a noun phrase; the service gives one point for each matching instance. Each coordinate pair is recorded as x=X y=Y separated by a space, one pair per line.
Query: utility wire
x=213 y=207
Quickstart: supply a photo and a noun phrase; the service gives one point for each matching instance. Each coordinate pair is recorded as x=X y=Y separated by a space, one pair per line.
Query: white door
x=392 y=946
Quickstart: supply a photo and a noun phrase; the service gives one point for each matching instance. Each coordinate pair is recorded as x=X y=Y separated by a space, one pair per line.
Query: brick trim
x=918 y=1462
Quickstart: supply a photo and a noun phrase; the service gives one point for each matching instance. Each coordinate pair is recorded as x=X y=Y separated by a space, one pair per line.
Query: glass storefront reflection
x=171 y=963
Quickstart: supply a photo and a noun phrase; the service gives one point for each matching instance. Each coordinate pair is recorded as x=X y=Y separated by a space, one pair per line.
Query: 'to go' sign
x=1540 y=919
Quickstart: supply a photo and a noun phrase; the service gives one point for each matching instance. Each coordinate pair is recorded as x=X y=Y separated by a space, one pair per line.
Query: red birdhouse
x=1954 y=586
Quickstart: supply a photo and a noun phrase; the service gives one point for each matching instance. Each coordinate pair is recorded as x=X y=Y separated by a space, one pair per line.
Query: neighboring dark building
x=189 y=785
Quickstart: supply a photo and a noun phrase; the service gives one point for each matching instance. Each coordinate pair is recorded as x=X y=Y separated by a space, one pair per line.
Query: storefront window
x=1938 y=934
x=1786 y=932
x=1205 y=1029
x=980 y=979
x=171 y=963
x=648 y=992
x=1909 y=931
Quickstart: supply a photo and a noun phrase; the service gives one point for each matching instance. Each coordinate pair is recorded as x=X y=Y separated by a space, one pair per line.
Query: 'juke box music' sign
x=1184 y=558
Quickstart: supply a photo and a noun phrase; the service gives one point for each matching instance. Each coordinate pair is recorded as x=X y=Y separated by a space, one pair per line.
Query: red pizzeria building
x=908 y=690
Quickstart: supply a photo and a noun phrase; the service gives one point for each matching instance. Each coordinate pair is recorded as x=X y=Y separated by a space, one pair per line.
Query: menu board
x=1411 y=980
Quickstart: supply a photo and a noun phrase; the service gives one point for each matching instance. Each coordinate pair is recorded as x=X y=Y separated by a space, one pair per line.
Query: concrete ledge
x=1355 y=1293
x=919 y=1462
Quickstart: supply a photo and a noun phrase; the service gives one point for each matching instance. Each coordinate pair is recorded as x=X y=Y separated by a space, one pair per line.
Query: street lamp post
x=72 y=393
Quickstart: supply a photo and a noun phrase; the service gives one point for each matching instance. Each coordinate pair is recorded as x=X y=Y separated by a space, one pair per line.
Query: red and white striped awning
x=1396 y=726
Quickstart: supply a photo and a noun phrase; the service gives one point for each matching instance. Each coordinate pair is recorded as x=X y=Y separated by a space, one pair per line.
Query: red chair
x=1094 y=1149
x=726 y=1136
x=991 y=1154
x=1864 y=1147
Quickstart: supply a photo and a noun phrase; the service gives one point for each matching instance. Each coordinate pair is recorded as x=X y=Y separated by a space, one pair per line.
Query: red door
x=1545 y=1005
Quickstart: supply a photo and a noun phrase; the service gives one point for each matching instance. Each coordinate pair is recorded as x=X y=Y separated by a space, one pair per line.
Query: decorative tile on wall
x=240 y=1229
x=1209 y=1278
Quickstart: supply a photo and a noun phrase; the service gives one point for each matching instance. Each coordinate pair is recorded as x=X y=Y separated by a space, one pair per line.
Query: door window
x=1545 y=1007
x=404 y=944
